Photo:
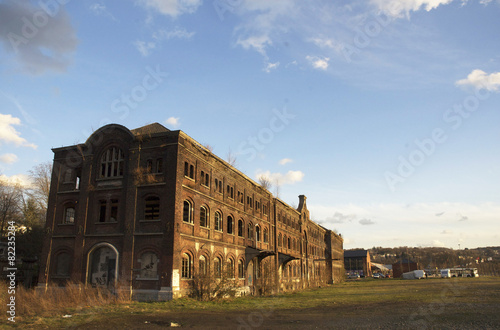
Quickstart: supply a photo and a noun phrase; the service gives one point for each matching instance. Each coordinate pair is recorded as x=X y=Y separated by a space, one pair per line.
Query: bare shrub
x=61 y=300
x=209 y=287
x=266 y=283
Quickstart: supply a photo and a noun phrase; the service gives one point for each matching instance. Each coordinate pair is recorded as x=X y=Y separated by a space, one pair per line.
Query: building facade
x=148 y=209
x=358 y=262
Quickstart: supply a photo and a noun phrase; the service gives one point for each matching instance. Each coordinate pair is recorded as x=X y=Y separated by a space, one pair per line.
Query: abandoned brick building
x=147 y=209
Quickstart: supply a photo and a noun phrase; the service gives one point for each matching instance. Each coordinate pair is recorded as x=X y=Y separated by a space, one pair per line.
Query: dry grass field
x=457 y=303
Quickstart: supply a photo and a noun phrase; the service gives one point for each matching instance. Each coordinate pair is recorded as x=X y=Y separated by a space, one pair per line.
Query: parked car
x=353 y=276
x=378 y=275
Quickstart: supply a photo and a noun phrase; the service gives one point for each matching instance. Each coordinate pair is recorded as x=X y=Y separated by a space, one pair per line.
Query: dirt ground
x=386 y=316
x=375 y=304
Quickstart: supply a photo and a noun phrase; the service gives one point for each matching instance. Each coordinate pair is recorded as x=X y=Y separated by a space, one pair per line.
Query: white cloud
x=8 y=158
x=446 y=232
x=173 y=122
x=327 y=43
x=144 y=47
x=44 y=45
x=18 y=179
x=318 y=63
x=257 y=43
x=172 y=8
x=288 y=178
x=8 y=133
x=285 y=161
x=479 y=79
x=401 y=8
x=271 y=66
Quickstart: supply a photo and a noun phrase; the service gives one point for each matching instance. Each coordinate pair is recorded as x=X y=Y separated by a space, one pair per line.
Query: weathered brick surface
x=284 y=238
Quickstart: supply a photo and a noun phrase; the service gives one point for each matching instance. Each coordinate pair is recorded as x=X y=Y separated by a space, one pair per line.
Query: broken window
x=149 y=265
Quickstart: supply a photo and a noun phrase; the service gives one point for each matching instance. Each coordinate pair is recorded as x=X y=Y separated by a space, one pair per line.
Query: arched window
x=186 y=266
x=230 y=268
x=204 y=217
x=240 y=228
x=69 y=215
x=289 y=243
x=187 y=215
x=230 y=224
x=250 y=231
x=103 y=266
x=149 y=265
x=280 y=240
x=218 y=221
x=202 y=265
x=266 y=236
x=112 y=163
x=241 y=269
x=217 y=267
x=257 y=233
x=152 y=208
x=63 y=263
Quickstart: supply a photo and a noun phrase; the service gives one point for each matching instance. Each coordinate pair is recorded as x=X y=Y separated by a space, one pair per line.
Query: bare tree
x=10 y=201
x=277 y=186
x=265 y=182
x=231 y=158
x=40 y=176
x=209 y=147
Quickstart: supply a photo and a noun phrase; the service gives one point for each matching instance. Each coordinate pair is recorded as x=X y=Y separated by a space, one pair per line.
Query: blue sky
x=383 y=113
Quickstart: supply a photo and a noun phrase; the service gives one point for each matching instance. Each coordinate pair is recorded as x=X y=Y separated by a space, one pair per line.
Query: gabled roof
x=150 y=129
x=355 y=253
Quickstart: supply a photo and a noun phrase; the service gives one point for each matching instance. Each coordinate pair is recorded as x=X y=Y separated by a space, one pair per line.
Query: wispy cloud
x=100 y=9
x=176 y=33
x=8 y=158
x=145 y=47
x=366 y=222
x=340 y=218
x=172 y=8
x=401 y=8
x=285 y=161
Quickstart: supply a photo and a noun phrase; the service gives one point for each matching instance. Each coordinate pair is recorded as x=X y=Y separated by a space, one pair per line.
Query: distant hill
x=485 y=259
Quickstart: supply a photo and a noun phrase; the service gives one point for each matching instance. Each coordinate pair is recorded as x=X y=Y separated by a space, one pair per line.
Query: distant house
x=357 y=262
x=403 y=266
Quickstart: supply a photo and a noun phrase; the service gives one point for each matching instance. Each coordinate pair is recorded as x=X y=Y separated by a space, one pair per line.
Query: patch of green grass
x=482 y=290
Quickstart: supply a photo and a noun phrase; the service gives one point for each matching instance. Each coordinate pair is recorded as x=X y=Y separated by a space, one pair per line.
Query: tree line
x=26 y=206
